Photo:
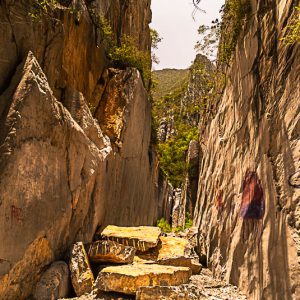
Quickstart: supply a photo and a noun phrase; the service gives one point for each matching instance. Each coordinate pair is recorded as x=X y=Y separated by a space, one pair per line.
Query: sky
x=174 y=22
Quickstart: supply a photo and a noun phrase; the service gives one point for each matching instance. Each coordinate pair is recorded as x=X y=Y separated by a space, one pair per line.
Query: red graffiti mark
x=219 y=201
x=252 y=206
x=16 y=214
x=253 y=203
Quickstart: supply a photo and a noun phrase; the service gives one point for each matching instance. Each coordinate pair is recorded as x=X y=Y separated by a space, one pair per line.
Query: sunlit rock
x=142 y=238
x=166 y=292
x=177 y=251
x=81 y=274
x=127 y=279
x=108 y=251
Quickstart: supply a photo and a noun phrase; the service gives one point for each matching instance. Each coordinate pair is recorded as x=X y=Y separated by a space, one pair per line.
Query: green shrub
x=293 y=33
x=164 y=225
x=178 y=229
x=188 y=220
x=172 y=153
x=222 y=36
x=92 y=108
x=126 y=54
x=232 y=22
x=155 y=40
x=40 y=8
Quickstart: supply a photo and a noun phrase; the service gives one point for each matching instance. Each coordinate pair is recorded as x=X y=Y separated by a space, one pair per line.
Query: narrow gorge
x=118 y=182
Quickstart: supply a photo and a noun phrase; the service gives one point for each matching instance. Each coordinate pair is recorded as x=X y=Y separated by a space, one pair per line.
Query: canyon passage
x=119 y=181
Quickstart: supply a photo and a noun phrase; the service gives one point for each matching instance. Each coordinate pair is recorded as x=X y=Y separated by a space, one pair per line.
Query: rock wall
x=248 y=209
x=62 y=174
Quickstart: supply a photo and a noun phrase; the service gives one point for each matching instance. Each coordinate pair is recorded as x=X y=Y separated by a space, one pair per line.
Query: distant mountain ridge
x=168 y=81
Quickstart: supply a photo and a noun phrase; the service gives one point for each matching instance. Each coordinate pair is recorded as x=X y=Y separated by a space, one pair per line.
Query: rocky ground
x=138 y=263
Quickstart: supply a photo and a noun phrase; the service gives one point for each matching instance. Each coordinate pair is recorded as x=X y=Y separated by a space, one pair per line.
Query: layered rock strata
x=142 y=238
x=108 y=251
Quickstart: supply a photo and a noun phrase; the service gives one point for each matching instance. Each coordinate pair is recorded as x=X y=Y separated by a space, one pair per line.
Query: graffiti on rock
x=253 y=206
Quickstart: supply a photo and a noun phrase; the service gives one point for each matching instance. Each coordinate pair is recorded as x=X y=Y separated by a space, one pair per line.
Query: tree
x=155 y=39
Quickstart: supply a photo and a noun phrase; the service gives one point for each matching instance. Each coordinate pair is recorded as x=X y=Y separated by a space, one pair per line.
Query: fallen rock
x=212 y=288
x=103 y=296
x=81 y=274
x=177 y=251
x=182 y=292
x=127 y=279
x=142 y=238
x=199 y=287
x=84 y=297
x=109 y=251
x=54 y=283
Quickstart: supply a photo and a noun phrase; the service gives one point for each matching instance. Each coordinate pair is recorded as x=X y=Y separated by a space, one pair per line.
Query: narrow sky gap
x=173 y=19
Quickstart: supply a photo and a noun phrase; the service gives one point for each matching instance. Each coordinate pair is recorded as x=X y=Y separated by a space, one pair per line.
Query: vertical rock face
x=59 y=176
x=185 y=201
x=247 y=209
x=131 y=170
x=68 y=46
x=48 y=172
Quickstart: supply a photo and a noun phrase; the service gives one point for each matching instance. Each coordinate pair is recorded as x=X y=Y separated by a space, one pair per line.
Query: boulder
x=109 y=251
x=142 y=238
x=54 y=283
x=127 y=279
x=81 y=274
x=177 y=251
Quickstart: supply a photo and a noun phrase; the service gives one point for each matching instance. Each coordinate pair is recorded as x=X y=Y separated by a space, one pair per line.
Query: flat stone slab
x=142 y=238
x=81 y=274
x=176 y=251
x=127 y=279
x=163 y=293
x=109 y=251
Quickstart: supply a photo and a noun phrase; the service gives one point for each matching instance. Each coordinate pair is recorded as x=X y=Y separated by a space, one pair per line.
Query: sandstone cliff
x=248 y=208
x=64 y=173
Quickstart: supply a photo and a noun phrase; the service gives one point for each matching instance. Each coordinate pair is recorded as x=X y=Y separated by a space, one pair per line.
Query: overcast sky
x=173 y=20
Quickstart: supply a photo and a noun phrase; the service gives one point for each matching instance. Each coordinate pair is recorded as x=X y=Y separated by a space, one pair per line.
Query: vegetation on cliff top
x=40 y=8
x=221 y=37
x=126 y=52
